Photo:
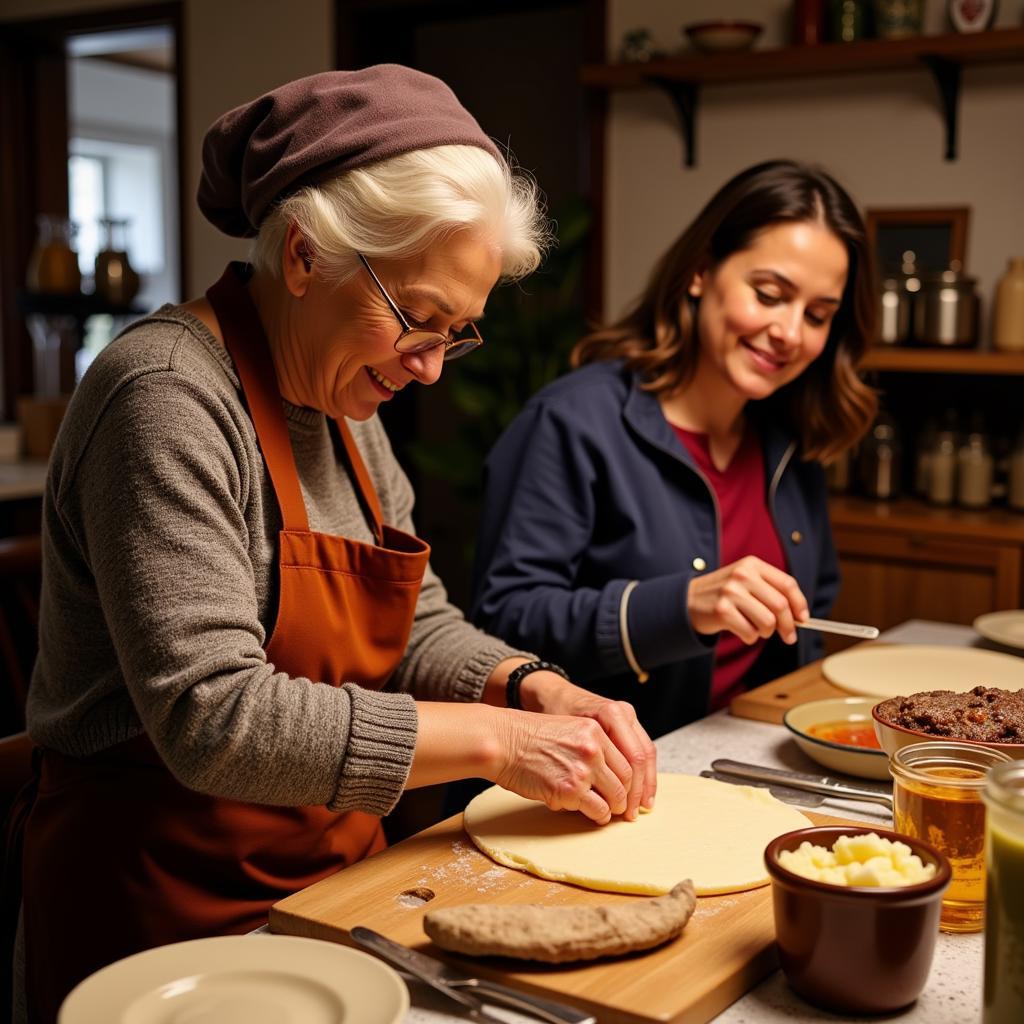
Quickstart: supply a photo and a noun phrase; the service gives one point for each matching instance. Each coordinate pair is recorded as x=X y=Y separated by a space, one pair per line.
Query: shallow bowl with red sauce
x=839 y=733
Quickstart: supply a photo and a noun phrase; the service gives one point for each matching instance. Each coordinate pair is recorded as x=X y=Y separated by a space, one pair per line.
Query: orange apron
x=118 y=856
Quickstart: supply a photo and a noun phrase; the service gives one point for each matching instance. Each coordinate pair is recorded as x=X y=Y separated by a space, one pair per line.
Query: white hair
x=397 y=208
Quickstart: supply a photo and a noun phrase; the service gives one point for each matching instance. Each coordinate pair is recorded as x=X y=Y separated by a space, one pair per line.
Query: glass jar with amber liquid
x=937 y=797
x=1004 y=911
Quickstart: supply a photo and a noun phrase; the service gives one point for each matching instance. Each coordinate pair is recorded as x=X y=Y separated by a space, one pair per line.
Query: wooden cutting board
x=768 y=703
x=727 y=947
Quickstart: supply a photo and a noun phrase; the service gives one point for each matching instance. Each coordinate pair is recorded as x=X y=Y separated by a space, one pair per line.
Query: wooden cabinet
x=908 y=560
x=904 y=560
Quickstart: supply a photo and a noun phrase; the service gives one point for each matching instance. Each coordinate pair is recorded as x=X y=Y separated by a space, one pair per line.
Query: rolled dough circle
x=712 y=832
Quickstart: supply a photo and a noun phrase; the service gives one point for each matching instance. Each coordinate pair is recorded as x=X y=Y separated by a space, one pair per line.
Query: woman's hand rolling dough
x=547 y=692
x=570 y=763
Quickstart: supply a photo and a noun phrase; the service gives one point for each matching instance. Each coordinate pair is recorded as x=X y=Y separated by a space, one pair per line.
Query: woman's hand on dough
x=567 y=762
x=749 y=598
x=619 y=721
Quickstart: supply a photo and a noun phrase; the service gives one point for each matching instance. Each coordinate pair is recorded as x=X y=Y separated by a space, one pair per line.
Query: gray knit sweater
x=159 y=558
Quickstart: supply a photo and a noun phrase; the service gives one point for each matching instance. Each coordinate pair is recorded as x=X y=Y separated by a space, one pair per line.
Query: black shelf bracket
x=684 y=97
x=947 y=78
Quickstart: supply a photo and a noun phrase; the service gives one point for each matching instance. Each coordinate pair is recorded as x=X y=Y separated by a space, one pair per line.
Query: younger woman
x=656 y=521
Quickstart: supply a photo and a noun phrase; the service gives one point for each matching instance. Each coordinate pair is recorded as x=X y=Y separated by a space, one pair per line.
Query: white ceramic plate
x=241 y=979
x=899 y=670
x=840 y=757
x=1005 y=628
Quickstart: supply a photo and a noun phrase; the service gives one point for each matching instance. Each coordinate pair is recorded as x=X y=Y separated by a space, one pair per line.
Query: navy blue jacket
x=590 y=488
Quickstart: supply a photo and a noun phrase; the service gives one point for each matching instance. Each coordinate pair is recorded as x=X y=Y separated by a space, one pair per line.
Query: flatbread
x=559 y=935
x=712 y=832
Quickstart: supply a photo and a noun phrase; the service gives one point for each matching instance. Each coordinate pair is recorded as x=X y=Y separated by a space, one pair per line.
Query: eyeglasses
x=419 y=339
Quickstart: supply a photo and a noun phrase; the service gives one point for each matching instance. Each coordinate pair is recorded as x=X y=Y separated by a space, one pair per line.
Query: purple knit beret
x=313 y=128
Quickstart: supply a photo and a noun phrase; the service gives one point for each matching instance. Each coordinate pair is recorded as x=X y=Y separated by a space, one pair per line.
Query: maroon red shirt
x=746 y=529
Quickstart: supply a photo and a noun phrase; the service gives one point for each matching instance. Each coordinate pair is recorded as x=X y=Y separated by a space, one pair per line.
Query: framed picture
x=935 y=236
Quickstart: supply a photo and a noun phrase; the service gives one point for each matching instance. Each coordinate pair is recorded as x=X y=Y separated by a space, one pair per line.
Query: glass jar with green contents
x=1004 y=925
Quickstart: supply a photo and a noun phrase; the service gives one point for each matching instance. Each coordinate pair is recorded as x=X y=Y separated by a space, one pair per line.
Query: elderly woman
x=245 y=658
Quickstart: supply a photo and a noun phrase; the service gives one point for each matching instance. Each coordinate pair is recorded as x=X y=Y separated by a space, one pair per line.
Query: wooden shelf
x=943 y=55
x=892 y=359
x=910 y=515
x=995 y=46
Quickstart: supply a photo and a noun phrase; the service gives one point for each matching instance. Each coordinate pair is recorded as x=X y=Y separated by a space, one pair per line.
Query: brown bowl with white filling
x=856 y=948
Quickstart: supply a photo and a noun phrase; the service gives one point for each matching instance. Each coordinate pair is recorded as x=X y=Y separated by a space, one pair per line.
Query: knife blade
x=823 y=784
x=454 y=983
x=839 y=628
x=786 y=794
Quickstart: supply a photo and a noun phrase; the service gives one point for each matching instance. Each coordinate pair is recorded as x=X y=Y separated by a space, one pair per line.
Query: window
x=124 y=181
x=88 y=204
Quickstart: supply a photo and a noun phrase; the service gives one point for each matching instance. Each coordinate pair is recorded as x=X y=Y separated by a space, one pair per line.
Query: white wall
x=235 y=50
x=881 y=135
x=238 y=49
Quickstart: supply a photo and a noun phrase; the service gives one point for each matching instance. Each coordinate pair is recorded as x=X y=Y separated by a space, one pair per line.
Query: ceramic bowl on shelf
x=894 y=737
x=723 y=36
x=838 y=733
x=855 y=949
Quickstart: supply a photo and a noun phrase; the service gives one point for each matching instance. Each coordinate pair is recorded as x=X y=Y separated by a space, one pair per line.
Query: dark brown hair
x=828 y=407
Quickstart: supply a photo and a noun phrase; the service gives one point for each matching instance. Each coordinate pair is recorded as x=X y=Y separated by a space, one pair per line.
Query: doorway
x=89 y=111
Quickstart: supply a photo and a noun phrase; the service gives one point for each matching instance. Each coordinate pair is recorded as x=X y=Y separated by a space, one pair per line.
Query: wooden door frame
x=31 y=104
x=348 y=53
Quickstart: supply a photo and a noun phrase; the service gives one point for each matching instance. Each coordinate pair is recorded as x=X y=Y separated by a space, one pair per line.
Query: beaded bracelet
x=518 y=674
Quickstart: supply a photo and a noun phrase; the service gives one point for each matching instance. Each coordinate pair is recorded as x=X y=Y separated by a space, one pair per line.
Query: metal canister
x=947 y=309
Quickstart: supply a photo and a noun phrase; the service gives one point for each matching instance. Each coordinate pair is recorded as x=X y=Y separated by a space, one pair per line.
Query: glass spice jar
x=847 y=20
x=942 y=466
x=936 y=797
x=1015 y=485
x=975 y=470
x=880 y=460
x=1008 y=318
x=897 y=19
x=923 y=458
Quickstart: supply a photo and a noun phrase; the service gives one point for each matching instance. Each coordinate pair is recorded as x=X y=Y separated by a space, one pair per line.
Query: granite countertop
x=953 y=992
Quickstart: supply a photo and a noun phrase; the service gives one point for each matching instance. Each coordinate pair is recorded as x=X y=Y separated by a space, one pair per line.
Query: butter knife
x=786 y=794
x=464 y=988
x=839 y=628
x=823 y=784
